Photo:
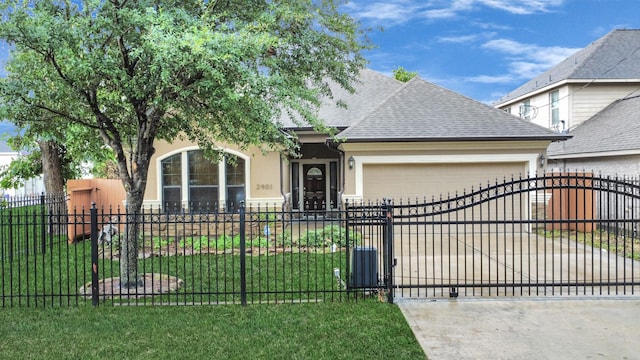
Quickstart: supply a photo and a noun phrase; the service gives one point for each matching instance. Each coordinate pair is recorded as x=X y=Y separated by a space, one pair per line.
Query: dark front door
x=315 y=183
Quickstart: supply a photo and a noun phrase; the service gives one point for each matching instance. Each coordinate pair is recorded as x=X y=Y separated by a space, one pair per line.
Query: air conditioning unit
x=364 y=267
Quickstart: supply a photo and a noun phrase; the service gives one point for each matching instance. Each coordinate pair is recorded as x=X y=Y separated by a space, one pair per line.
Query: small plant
x=196 y=244
x=158 y=242
x=225 y=241
x=328 y=236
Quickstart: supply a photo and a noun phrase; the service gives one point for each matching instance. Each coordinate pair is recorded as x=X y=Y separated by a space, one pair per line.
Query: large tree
x=132 y=72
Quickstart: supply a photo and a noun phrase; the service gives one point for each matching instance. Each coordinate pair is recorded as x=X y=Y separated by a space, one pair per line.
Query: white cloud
x=395 y=12
x=457 y=39
x=522 y=7
x=526 y=61
x=542 y=57
x=490 y=79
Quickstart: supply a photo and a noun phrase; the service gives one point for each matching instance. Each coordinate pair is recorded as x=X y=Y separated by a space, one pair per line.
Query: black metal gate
x=552 y=235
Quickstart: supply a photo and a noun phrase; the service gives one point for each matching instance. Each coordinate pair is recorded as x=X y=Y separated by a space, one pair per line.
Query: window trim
x=222 y=181
x=554 y=105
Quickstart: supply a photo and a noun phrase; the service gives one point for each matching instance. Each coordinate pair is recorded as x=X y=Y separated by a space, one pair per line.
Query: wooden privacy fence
x=571 y=198
x=105 y=193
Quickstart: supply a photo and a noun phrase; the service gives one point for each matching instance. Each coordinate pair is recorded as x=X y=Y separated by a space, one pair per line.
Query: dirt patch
x=151 y=284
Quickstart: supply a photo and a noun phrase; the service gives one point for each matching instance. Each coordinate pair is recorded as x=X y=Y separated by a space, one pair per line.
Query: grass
x=347 y=330
x=55 y=277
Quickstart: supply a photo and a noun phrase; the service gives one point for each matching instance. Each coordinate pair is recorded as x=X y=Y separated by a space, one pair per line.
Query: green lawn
x=346 y=330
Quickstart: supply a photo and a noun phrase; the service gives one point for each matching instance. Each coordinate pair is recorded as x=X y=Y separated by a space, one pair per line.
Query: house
x=607 y=143
x=30 y=187
x=396 y=140
x=580 y=86
x=591 y=96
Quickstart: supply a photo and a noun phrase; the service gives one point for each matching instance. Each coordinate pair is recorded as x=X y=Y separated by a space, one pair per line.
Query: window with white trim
x=189 y=179
x=554 y=108
x=525 y=110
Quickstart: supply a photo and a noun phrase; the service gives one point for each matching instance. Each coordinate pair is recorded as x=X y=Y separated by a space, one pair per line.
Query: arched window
x=202 y=185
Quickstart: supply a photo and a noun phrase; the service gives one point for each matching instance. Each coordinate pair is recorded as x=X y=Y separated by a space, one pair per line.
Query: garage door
x=411 y=181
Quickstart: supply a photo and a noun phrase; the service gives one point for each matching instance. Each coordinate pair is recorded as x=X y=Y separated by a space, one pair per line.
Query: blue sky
x=480 y=48
x=485 y=48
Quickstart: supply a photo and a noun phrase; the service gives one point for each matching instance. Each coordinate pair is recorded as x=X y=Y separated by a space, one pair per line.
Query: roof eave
x=449 y=139
x=558 y=84
x=593 y=154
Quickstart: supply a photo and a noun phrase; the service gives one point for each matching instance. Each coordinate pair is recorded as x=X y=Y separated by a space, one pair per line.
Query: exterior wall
x=589 y=100
x=262 y=172
x=28 y=188
x=628 y=165
x=541 y=106
x=578 y=102
x=524 y=153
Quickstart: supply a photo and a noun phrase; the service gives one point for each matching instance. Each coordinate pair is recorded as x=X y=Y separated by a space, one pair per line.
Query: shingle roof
x=613 y=129
x=615 y=56
x=372 y=88
x=422 y=111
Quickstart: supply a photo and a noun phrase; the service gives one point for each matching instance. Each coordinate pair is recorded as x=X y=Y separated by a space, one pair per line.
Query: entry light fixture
x=542 y=160
x=352 y=162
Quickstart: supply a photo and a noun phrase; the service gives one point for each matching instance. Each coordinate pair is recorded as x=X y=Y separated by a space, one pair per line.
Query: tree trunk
x=53 y=184
x=51 y=167
x=129 y=244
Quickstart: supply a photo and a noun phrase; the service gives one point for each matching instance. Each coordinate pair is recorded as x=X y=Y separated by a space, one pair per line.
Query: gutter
x=558 y=137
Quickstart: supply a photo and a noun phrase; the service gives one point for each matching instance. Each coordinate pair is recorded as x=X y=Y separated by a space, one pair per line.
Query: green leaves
x=403 y=75
x=131 y=72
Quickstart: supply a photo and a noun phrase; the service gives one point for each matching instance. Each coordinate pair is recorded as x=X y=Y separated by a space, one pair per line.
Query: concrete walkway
x=526 y=328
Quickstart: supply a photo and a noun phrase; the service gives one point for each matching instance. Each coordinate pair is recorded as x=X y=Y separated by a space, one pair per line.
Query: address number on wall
x=264 y=186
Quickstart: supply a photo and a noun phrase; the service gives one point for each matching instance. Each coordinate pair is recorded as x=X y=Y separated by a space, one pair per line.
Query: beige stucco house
x=596 y=87
x=396 y=140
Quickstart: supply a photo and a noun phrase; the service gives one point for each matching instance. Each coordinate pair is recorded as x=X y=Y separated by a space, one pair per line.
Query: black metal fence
x=552 y=235
x=253 y=255
x=557 y=234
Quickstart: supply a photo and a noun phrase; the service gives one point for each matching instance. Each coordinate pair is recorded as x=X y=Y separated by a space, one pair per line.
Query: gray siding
x=607 y=166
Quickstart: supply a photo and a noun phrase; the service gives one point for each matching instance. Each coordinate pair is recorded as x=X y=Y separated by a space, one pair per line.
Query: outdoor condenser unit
x=364 y=267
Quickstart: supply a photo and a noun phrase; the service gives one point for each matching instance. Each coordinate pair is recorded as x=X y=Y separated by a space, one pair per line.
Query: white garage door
x=417 y=181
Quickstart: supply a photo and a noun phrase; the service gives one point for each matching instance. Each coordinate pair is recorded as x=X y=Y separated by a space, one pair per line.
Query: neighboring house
x=608 y=143
x=30 y=187
x=398 y=140
x=595 y=86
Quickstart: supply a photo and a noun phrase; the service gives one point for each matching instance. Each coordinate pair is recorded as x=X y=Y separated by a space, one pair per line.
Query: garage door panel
x=420 y=181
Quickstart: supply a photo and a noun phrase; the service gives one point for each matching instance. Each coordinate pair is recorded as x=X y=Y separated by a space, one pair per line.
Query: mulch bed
x=151 y=284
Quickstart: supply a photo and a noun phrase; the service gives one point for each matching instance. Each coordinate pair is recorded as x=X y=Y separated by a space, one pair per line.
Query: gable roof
x=615 y=56
x=614 y=129
x=422 y=111
x=371 y=88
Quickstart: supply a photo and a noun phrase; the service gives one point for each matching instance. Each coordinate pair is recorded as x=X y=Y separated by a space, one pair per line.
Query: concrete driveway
x=526 y=328
x=533 y=264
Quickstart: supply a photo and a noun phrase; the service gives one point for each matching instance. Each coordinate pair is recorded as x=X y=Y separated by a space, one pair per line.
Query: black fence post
x=10 y=210
x=347 y=247
x=94 y=255
x=43 y=223
x=388 y=249
x=243 y=256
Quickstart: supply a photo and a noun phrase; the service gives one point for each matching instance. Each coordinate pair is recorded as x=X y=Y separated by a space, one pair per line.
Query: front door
x=315 y=183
